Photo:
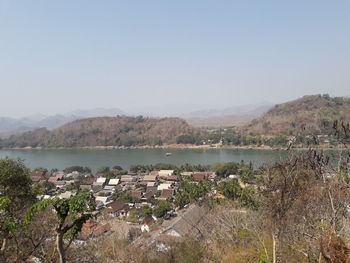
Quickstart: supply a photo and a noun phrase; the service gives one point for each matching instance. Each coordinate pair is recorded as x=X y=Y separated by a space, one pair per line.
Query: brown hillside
x=314 y=113
x=105 y=131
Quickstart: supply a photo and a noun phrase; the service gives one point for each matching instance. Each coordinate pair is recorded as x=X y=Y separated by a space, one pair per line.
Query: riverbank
x=185 y=146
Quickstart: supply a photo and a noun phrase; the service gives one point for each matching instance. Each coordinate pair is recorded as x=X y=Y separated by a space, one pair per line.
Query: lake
x=94 y=158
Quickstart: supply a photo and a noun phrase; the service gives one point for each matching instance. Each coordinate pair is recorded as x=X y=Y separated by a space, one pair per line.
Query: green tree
x=230 y=189
x=16 y=194
x=162 y=208
x=71 y=213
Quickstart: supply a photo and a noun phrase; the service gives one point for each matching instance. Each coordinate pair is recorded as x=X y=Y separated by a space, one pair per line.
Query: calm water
x=94 y=158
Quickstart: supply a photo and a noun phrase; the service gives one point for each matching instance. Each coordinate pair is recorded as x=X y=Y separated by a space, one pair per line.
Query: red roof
x=118 y=206
x=136 y=194
x=166 y=193
x=89 y=180
x=200 y=176
x=53 y=179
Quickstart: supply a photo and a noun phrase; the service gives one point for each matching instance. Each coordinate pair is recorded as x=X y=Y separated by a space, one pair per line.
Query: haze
x=144 y=56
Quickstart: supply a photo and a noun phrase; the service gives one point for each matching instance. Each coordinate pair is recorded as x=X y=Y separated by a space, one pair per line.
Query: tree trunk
x=59 y=247
x=273 y=248
x=2 y=250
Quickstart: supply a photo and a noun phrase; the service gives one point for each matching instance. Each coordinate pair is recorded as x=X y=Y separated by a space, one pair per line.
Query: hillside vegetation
x=312 y=114
x=104 y=131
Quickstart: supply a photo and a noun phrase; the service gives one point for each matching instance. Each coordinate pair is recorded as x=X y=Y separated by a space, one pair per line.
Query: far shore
x=181 y=146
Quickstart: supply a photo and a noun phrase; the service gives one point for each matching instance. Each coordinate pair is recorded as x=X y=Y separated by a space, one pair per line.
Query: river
x=94 y=158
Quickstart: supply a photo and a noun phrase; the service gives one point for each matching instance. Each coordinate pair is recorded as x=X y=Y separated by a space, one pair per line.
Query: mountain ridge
x=310 y=113
x=104 y=131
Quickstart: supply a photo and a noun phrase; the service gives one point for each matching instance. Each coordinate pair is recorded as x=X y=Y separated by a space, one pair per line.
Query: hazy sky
x=57 y=56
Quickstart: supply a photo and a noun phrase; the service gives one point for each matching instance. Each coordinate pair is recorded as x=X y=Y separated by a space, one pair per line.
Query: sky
x=183 y=55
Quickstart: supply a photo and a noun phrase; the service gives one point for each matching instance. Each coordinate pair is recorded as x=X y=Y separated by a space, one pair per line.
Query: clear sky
x=57 y=56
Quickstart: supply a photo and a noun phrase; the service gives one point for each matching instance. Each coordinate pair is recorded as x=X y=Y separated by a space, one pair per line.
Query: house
x=128 y=178
x=164 y=186
x=136 y=194
x=147 y=195
x=100 y=181
x=113 y=182
x=156 y=173
x=110 y=188
x=150 y=178
x=102 y=199
x=165 y=172
x=118 y=209
x=151 y=189
x=147 y=222
x=57 y=177
x=200 y=176
x=59 y=184
x=73 y=175
x=38 y=176
x=150 y=184
x=187 y=173
x=89 y=181
x=142 y=183
x=166 y=193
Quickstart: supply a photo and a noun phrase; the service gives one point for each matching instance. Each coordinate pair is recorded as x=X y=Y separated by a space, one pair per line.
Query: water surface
x=94 y=158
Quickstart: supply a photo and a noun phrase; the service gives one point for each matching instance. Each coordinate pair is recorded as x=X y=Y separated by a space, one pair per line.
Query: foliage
x=162 y=208
x=125 y=197
x=190 y=191
x=15 y=182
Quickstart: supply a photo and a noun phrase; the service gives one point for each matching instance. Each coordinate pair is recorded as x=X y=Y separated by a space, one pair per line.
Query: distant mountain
x=233 y=116
x=244 y=110
x=313 y=113
x=10 y=126
x=221 y=121
x=104 y=131
x=97 y=112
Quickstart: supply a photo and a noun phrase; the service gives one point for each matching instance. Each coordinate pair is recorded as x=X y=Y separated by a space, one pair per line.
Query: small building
x=118 y=209
x=187 y=173
x=150 y=178
x=154 y=173
x=113 y=182
x=147 y=222
x=164 y=186
x=102 y=199
x=147 y=195
x=166 y=193
x=128 y=178
x=165 y=172
x=150 y=184
x=136 y=194
x=200 y=176
x=59 y=184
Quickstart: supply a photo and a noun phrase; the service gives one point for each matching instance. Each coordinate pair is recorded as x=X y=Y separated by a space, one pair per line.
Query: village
x=142 y=202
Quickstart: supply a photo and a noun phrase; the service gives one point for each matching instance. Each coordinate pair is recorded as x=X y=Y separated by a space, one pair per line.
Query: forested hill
x=310 y=114
x=104 y=131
